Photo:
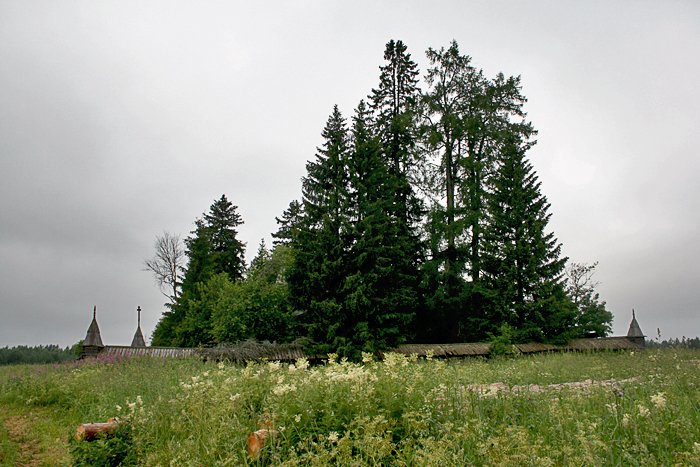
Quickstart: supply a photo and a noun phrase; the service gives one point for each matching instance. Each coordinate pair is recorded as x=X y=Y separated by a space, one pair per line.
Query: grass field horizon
x=639 y=408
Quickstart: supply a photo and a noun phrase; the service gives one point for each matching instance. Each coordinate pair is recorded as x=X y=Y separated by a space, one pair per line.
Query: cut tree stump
x=90 y=431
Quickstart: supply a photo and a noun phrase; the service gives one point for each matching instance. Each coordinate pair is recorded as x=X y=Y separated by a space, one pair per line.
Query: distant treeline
x=684 y=342
x=38 y=354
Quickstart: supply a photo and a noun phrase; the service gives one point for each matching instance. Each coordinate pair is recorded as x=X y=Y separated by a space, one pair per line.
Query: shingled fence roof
x=251 y=350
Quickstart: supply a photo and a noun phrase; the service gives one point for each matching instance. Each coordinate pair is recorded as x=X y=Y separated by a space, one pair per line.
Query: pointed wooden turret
x=138 y=340
x=635 y=332
x=92 y=345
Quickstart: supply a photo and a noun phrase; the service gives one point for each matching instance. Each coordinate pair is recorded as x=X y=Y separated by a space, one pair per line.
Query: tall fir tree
x=522 y=261
x=380 y=299
x=220 y=225
x=320 y=246
x=394 y=105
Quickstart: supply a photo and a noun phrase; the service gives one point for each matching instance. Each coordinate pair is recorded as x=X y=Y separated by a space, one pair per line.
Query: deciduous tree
x=592 y=318
x=167 y=265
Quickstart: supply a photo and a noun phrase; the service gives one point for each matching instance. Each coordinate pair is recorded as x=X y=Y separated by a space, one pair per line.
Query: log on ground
x=90 y=431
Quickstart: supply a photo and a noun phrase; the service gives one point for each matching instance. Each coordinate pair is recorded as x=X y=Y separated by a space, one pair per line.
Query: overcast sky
x=123 y=119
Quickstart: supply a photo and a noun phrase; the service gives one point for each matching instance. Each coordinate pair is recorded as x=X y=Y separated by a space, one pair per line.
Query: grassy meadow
x=631 y=408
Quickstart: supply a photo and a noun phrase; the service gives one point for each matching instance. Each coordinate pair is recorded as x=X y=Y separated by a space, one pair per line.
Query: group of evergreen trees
x=421 y=219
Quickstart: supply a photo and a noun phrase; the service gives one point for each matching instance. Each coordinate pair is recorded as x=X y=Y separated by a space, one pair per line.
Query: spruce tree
x=522 y=260
x=288 y=223
x=380 y=299
x=394 y=105
x=320 y=246
x=220 y=225
x=394 y=112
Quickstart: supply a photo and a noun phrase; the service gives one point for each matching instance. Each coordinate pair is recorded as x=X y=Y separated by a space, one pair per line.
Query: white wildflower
x=659 y=400
x=119 y=408
x=297 y=418
x=333 y=437
x=234 y=397
x=283 y=389
x=221 y=366
x=302 y=364
x=643 y=411
x=626 y=420
x=367 y=358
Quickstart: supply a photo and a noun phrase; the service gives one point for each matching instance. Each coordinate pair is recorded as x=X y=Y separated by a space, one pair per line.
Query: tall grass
x=560 y=409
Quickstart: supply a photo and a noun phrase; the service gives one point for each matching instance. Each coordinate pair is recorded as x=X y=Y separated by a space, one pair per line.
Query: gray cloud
x=119 y=120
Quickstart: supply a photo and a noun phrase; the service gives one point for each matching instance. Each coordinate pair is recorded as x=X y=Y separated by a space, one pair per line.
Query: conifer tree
x=394 y=123
x=522 y=260
x=288 y=223
x=394 y=107
x=220 y=225
x=380 y=298
x=320 y=247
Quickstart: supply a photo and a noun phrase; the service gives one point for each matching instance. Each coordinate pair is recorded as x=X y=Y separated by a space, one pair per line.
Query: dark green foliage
x=320 y=247
x=219 y=227
x=258 y=307
x=38 y=354
x=113 y=450
x=357 y=251
x=502 y=343
x=465 y=118
x=213 y=248
x=394 y=105
x=684 y=343
x=380 y=292
x=359 y=265
x=522 y=261
x=289 y=223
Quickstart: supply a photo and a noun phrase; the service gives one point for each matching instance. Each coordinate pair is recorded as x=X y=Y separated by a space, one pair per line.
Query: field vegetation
x=631 y=408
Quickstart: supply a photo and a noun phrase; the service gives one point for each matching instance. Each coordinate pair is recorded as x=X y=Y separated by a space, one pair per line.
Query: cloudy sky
x=123 y=119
